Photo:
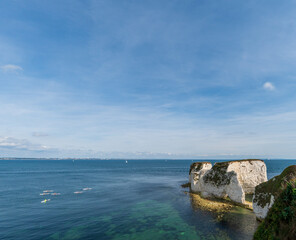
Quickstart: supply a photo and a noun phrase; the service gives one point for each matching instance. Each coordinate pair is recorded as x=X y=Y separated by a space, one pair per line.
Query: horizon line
x=104 y=159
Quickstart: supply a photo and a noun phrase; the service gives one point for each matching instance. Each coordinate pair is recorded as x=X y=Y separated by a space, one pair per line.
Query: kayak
x=42 y=194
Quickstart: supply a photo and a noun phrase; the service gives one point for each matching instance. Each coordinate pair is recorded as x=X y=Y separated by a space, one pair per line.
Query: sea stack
x=231 y=179
x=196 y=169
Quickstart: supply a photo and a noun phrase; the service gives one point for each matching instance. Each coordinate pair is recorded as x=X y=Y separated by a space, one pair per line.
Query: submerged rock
x=185 y=185
x=231 y=179
x=267 y=192
x=212 y=205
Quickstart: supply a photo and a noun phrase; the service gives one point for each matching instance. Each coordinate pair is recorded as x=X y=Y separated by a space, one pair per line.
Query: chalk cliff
x=196 y=169
x=280 y=220
x=231 y=179
x=266 y=193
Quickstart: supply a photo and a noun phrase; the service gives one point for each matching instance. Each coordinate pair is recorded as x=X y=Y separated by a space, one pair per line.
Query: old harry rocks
x=233 y=179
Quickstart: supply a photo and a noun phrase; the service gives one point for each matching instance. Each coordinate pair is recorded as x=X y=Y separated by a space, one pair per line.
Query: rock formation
x=196 y=168
x=231 y=179
x=280 y=221
x=266 y=193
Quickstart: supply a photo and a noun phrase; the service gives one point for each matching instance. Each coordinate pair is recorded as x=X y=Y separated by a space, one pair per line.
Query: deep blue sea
x=138 y=200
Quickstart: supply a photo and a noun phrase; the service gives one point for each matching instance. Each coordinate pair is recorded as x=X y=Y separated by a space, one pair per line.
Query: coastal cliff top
x=280 y=221
x=274 y=186
x=197 y=165
x=220 y=164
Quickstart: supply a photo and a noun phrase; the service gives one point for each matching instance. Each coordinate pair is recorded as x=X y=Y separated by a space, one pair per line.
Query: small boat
x=48 y=191
x=43 y=194
x=45 y=201
x=86 y=189
x=78 y=192
x=55 y=194
x=126 y=161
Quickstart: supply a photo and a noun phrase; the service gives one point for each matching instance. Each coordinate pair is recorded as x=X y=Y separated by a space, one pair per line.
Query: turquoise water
x=138 y=200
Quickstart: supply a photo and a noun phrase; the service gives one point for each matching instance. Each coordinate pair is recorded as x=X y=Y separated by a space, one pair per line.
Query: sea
x=112 y=199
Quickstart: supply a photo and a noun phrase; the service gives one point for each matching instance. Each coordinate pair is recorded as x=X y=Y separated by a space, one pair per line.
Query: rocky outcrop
x=196 y=169
x=280 y=221
x=231 y=179
x=261 y=209
x=267 y=192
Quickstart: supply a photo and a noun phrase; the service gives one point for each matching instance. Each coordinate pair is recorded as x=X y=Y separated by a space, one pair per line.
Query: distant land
x=86 y=158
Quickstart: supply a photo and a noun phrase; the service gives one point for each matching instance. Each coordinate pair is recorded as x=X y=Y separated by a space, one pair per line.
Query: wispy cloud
x=39 y=134
x=268 y=86
x=11 y=68
x=24 y=144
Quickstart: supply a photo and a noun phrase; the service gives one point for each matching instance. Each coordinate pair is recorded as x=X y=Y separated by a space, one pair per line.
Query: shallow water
x=138 y=200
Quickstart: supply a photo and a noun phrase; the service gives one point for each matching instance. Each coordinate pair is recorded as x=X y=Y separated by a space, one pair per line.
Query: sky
x=148 y=79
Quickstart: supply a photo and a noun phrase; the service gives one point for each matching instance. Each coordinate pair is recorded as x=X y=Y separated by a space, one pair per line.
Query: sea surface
x=141 y=199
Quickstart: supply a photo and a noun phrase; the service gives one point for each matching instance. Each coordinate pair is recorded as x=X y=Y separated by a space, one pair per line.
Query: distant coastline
x=165 y=159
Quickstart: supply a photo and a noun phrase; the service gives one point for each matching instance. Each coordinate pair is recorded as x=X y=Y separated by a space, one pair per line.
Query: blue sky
x=148 y=79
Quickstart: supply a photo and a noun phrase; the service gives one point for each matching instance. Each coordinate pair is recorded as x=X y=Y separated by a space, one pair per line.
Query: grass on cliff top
x=274 y=186
x=233 y=161
x=197 y=166
x=280 y=222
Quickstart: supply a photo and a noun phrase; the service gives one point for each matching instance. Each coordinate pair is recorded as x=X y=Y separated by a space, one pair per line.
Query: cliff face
x=280 y=222
x=231 y=179
x=266 y=193
x=220 y=183
x=250 y=173
x=197 y=169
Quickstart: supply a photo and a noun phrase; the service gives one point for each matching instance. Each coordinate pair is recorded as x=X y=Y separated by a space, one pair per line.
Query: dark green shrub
x=280 y=222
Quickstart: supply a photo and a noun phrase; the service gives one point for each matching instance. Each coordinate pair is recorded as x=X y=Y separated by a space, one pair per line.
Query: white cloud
x=268 y=86
x=14 y=143
x=11 y=68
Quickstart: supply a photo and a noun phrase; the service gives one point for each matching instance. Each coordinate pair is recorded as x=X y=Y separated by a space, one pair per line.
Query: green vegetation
x=274 y=186
x=243 y=160
x=197 y=166
x=249 y=197
x=218 y=175
x=280 y=222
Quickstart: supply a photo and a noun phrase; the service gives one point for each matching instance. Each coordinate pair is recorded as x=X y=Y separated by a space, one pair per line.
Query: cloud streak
x=23 y=144
x=11 y=68
x=39 y=134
